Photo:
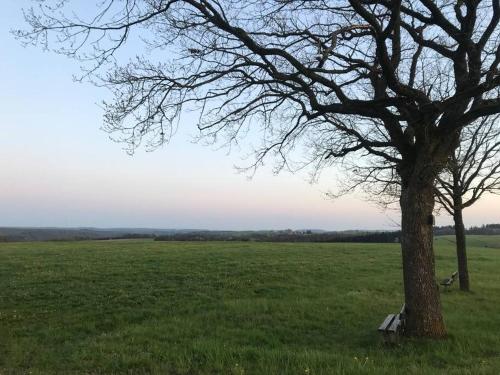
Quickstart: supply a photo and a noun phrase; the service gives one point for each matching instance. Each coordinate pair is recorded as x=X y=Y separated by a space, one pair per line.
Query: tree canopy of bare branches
x=392 y=81
x=474 y=168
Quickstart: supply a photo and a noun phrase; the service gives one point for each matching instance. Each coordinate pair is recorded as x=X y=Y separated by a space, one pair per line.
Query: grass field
x=141 y=307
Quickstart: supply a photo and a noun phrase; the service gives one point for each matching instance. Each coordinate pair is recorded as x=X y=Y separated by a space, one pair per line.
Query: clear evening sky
x=59 y=169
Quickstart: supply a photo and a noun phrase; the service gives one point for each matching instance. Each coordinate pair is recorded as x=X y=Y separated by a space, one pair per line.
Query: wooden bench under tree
x=393 y=326
x=449 y=280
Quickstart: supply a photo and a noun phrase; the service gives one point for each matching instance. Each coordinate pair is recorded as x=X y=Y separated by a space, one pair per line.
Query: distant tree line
x=309 y=236
x=486 y=229
x=54 y=234
x=285 y=236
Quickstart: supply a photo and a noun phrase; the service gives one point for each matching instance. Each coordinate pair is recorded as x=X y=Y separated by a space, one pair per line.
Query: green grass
x=141 y=307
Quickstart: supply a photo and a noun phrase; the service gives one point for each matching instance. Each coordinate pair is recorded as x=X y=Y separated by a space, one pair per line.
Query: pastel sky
x=58 y=168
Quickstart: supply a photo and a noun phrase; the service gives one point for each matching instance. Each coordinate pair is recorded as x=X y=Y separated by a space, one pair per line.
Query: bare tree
x=472 y=171
x=390 y=81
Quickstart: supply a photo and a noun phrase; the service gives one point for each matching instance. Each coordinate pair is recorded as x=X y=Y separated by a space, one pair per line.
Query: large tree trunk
x=422 y=298
x=463 y=272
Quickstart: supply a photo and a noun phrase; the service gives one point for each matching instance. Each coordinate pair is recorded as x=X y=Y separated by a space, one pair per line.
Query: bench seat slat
x=447 y=282
x=388 y=320
x=395 y=324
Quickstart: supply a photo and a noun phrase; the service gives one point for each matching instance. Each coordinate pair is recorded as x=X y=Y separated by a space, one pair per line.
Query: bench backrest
x=402 y=313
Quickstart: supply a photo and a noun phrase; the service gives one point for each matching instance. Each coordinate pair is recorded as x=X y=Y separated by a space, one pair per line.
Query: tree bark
x=463 y=272
x=422 y=298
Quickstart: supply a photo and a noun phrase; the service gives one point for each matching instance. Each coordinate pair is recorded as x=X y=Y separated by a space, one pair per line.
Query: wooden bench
x=449 y=280
x=393 y=326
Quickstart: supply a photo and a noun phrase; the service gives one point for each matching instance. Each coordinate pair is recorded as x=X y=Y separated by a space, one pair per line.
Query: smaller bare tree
x=472 y=171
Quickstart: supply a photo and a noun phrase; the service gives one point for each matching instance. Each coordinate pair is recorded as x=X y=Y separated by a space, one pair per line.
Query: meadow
x=145 y=307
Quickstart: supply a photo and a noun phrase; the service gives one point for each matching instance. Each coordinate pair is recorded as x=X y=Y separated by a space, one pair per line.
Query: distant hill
x=15 y=234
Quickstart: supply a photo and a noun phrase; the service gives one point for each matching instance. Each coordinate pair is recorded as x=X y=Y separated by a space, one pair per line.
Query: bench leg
x=391 y=338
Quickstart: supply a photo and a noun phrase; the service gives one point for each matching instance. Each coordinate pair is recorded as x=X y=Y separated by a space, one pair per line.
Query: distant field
x=144 y=307
x=473 y=241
